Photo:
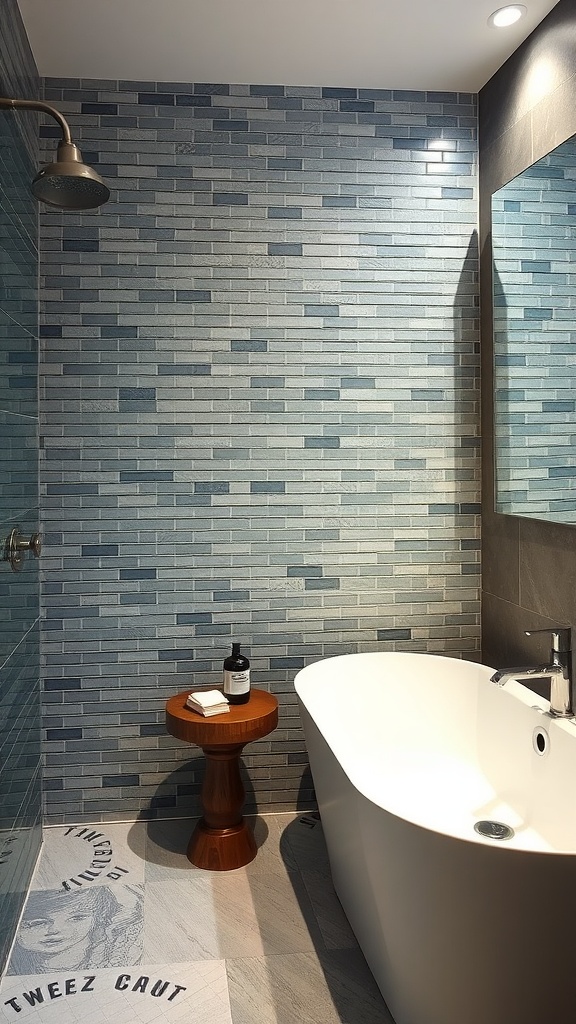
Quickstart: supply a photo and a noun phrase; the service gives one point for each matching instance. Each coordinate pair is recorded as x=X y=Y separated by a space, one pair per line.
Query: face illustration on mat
x=73 y=930
x=57 y=931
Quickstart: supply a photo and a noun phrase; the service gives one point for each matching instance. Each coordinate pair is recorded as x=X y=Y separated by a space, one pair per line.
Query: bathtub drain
x=494 y=829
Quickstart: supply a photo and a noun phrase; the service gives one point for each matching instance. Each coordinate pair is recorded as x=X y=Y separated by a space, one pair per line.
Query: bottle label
x=237 y=682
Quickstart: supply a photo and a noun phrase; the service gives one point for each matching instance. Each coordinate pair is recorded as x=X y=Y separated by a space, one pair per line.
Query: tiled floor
x=120 y=928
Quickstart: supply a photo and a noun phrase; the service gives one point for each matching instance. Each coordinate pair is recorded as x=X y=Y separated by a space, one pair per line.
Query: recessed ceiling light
x=507 y=15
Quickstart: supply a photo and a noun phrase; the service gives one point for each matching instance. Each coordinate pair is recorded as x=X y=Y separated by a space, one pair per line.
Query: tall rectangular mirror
x=534 y=298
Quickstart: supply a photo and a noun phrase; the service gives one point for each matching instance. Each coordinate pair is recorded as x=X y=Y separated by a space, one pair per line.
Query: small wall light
x=507 y=15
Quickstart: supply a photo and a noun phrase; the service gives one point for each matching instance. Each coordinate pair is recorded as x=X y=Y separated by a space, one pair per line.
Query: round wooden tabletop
x=242 y=724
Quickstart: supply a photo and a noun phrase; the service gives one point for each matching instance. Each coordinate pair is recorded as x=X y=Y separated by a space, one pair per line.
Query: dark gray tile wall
x=260 y=414
x=529 y=567
x=20 y=793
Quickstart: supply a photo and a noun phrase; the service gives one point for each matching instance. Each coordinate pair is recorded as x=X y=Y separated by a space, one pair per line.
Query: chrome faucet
x=559 y=671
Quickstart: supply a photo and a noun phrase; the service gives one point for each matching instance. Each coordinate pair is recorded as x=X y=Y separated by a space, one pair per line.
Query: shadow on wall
x=185 y=784
x=466 y=298
x=466 y=362
x=502 y=363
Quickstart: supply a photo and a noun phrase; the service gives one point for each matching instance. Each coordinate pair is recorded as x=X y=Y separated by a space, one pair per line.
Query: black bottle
x=237 y=677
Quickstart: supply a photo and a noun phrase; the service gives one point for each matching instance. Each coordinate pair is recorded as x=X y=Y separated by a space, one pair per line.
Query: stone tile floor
x=119 y=928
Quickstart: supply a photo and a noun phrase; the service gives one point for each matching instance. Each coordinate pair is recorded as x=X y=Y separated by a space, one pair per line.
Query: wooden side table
x=222 y=839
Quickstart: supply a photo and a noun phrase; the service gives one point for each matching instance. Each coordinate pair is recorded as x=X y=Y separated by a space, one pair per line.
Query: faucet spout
x=558 y=672
x=521 y=674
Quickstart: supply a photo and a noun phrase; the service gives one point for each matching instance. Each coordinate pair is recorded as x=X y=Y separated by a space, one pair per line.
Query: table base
x=221 y=849
x=222 y=840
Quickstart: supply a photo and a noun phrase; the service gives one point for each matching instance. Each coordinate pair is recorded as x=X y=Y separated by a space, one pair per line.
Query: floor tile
x=150 y=994
x=302 y=988
x=332 y=921
x=108 y=899
x=269 y=829
x=166 y=844
x=228 y=914
x=81 y=930
x=77 y=856
x=302 y=844
x=167 y=841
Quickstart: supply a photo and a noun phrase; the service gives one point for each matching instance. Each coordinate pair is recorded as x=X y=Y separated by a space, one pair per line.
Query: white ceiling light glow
x=507 y=15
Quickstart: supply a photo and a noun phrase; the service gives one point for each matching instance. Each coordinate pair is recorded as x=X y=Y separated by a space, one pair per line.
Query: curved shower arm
x=68 y=183
x=45 y=108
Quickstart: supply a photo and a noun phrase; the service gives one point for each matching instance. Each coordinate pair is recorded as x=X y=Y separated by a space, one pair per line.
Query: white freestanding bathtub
x=408 y=752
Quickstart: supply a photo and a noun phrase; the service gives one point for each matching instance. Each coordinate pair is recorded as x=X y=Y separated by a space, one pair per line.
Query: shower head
x=68 y=183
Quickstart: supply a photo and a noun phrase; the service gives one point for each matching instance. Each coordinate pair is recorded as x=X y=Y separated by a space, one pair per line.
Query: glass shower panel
x=20 y=772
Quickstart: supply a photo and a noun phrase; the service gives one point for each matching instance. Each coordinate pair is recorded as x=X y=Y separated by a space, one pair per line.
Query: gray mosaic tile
x=260 y=314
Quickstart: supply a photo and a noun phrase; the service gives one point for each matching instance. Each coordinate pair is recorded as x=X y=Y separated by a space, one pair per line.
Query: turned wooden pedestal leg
x=222 y=840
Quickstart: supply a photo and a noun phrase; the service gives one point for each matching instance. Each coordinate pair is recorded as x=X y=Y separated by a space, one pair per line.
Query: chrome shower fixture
x=68 y=183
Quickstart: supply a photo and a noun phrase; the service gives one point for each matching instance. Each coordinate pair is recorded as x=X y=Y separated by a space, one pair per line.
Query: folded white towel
x=208 y=702
x=208 y=698
x=211 y=712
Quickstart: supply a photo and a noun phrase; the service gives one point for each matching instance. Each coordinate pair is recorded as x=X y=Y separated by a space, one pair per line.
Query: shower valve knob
x=34 y=545
x=16 y=544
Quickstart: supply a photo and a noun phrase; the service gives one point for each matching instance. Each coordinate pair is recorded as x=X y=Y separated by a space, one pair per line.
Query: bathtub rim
x=513 y=689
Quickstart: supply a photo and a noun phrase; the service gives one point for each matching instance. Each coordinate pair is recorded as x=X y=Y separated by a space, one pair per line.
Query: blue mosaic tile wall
x=534 y=253
x=20 y=774
x=260 y=414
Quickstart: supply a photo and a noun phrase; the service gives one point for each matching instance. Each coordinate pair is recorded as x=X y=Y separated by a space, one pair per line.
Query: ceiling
x=387 y=44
